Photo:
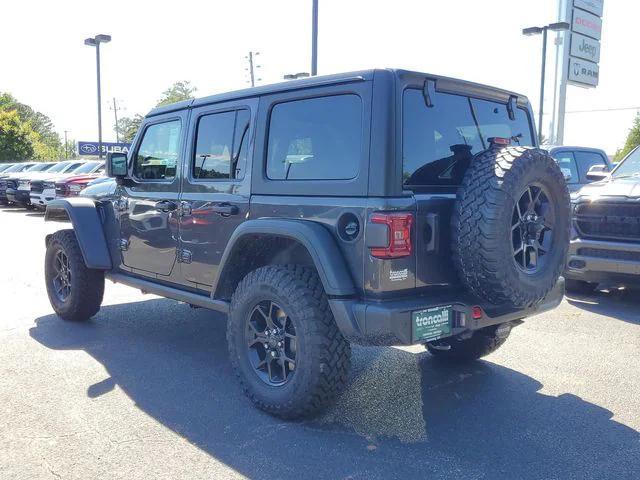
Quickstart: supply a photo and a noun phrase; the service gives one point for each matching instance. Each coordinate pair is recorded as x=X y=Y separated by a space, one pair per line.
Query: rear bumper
x=389 y=322
x=604 y=261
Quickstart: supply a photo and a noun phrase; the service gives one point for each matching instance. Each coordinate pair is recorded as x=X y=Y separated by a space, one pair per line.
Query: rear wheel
x=580 y=286
x=481 y=343
x=284 y=345
x=75 y=291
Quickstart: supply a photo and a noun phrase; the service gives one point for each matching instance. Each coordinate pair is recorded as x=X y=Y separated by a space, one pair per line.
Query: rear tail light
x=476 y=313
x=399 y=235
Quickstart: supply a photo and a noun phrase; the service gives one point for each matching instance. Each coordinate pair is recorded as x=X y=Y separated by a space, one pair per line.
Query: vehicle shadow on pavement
x=620 y=304
x=403 y=415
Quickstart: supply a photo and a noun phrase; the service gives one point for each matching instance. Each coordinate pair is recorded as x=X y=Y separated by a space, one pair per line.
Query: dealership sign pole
x=579 y=54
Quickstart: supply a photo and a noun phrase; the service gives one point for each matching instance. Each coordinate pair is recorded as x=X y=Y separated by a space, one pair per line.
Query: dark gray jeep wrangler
x=380 y=207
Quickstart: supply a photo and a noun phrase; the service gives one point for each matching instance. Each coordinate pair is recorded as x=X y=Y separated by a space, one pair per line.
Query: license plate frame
x=430 y=324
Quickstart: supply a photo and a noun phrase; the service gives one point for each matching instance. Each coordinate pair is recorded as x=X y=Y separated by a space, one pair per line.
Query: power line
x=619 y=109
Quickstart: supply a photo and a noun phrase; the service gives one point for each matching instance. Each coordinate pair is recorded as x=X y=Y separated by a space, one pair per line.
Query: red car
x=72 y=186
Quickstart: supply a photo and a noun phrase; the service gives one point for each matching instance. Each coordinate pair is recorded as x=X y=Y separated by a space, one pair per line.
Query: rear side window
x=157 y=156
x=438 y=143
x=315 y=139
x=221 y=145
x=585 y=161
x=567 y=163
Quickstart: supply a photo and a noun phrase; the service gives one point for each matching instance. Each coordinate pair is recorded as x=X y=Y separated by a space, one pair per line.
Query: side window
x=221 y=149
x=585 y=161
x=157 y=156
x=315 y=139
x=567 y=164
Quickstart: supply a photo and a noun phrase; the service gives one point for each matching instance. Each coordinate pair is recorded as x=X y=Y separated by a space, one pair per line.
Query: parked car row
x=33 y=185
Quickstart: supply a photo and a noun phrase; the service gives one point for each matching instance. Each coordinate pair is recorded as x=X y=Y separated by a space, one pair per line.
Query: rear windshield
x=438 y=143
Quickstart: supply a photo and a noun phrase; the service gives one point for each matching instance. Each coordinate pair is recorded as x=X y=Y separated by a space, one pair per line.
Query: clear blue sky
x=45 y=64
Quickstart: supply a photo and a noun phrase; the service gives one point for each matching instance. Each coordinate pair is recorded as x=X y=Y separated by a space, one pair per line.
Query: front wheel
x=75 y=291
x=284 y=345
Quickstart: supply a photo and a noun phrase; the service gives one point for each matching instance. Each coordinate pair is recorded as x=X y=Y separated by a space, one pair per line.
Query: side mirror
x=597 y=172
x=117 y=165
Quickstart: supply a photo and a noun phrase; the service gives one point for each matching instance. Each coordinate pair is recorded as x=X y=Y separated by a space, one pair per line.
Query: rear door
x=150 y=200
x=438 y=145
x=215 y=186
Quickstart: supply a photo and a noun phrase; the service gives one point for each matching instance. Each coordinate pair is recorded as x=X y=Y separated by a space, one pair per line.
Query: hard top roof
x=347 y=77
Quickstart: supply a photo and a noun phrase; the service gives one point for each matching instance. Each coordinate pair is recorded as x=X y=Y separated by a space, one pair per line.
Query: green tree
x=45 y=141
x=176 y=93
x=633 y=140
x=15 y=137
x=127 y=127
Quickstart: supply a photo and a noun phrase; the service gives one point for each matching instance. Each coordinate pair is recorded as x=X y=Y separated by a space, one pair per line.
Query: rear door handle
x=166 y=206
x=225 y=209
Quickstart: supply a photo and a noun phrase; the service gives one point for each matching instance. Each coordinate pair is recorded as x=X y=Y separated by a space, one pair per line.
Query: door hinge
x=124 y=244
x=184 y=256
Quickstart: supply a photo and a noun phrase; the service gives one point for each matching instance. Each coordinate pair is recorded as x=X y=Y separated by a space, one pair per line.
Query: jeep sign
x=585 y=48
x=583 y=72
x=91 y=148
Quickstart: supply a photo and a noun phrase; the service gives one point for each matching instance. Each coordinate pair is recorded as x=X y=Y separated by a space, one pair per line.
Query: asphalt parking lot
x=145 y=390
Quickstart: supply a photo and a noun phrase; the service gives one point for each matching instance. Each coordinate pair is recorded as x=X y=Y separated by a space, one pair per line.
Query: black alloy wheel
x=271 y=343
x=61 y=276
x=532 y=229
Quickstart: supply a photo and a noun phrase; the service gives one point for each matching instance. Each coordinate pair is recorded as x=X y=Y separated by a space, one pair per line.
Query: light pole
x=95 y=42
x=314 y=39
x=556 y=27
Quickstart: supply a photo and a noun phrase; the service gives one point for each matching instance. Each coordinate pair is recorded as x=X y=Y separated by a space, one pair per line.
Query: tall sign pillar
x=578 y=55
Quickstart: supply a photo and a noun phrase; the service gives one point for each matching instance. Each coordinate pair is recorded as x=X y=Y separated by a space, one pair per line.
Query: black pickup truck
x=605 y=244
x=381 y=207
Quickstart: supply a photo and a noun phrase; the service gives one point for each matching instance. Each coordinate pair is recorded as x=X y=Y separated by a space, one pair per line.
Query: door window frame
x=193 y=142
x=180 y=160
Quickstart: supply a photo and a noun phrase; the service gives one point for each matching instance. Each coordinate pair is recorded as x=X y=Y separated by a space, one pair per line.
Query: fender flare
x=87 y=225
x=317 y=240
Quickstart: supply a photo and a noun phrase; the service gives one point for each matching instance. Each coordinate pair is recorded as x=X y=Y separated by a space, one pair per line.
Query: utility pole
x=115 y=114
x=252 y=68
x=314 y=39
x=66 y=149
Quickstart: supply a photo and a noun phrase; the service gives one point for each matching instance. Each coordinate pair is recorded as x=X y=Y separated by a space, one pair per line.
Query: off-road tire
x=87 y=285
x=482 y=343
x=481 y=225
x=324 y=354
x=579 y=286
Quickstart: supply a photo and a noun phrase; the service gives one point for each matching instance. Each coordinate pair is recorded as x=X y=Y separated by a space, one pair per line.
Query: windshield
x=58 y=167
x=18 y=168
x=40 y=167
x=87 y=167
x=630 y=165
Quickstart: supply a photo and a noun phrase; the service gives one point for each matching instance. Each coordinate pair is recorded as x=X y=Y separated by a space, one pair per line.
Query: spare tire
x=511 y=226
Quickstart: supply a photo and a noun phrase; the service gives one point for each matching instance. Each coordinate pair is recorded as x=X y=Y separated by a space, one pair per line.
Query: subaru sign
x=91 y=148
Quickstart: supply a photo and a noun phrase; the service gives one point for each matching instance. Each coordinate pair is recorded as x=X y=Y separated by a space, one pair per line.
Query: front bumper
x=601 y=261
x=389 y=322
x=23 y=197
x=41 y=200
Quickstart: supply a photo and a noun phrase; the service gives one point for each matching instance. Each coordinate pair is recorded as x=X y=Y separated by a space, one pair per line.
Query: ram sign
x=584 y=52
x=91 y=148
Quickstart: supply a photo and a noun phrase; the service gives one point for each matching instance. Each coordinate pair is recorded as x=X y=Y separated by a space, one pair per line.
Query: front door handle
x=225 y=209
x=166 y=206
